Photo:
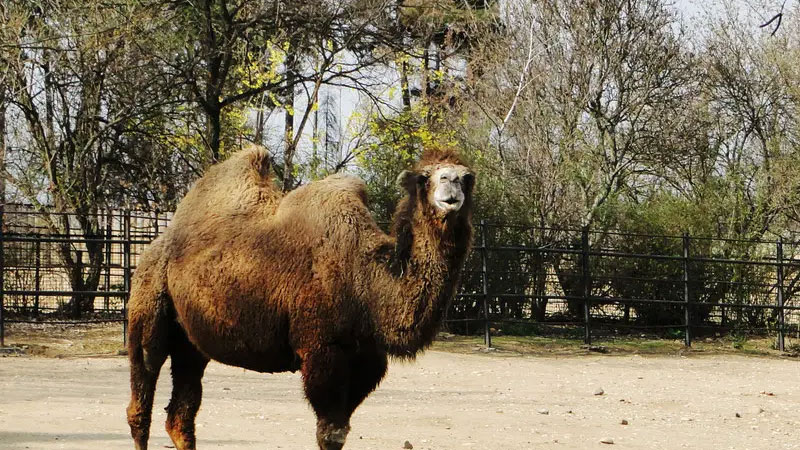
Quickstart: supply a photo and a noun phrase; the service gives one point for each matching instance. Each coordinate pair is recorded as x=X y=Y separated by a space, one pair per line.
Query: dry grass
x=555 y=346
x=43 y=339
x=106 y=339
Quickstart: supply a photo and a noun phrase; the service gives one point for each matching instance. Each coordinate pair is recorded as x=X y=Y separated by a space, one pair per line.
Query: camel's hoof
x=332 y=438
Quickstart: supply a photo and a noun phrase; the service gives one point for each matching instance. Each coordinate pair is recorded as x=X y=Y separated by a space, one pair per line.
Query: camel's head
x=441 y=181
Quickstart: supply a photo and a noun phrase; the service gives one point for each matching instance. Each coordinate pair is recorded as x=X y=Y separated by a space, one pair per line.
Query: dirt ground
x=444 y=400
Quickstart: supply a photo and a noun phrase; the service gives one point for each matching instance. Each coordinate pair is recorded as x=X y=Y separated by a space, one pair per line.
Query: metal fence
x=591 y=283
x=67 y=268
x=525 y=280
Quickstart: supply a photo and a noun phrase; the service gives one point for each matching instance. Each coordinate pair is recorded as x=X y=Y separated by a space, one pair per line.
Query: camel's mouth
x=449 y=204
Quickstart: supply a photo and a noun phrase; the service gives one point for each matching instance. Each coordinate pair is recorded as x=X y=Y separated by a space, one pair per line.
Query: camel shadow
x=30 y=439
x=33 y=437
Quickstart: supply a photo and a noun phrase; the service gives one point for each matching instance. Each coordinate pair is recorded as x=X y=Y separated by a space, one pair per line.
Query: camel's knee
x=331 y=436
x=153 y=359
x=138 y=418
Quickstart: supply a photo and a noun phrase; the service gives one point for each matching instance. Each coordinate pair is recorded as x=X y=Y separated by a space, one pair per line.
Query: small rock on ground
x=544 y=411
x=607 y=441
x=407 y=445
x=599 y=391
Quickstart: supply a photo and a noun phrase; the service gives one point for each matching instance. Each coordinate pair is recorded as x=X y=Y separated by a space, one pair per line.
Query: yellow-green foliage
x=395 y=143
x=257 y=71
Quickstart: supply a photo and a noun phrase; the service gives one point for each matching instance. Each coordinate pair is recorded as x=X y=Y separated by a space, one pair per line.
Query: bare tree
x=570 y=104
x=69 y=73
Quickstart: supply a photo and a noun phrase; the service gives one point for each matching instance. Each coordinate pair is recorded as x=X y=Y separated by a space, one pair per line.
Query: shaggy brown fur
x=307 y=281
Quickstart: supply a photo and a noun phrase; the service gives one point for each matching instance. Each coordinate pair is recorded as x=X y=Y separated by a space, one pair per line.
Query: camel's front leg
x=326 y=375
x=368 y=369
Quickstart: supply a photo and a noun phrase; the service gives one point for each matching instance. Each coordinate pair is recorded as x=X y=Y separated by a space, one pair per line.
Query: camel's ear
x=409 y=180
x=469 y=182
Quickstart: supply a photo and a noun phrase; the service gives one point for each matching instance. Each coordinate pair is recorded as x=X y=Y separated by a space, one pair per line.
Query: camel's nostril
x=451 y=201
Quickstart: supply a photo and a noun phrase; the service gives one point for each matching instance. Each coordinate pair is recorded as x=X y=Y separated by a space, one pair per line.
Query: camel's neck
x=427 y=269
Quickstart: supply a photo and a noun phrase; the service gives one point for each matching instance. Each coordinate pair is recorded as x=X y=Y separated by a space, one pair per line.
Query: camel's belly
x=249 y=352
x=275 y=360
x=254 y=340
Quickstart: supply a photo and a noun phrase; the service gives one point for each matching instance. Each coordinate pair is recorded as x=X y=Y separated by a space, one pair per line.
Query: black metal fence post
x=687 y=310
x=487 y=336
x=126 y=274
x=109 y=234
x=587 y=286
x=77 y=298
x=37 y=283
x=2 y=278
x=781 y=312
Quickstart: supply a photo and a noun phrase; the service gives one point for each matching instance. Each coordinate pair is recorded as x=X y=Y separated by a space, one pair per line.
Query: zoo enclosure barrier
x=579 y=282
x=69 y=268
x=66 y=268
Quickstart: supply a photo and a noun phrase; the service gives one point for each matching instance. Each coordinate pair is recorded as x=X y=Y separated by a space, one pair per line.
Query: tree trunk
x=426 y=62
x=84 y=273
x=539 y=287
x=2 y=149
x=405 y=87
x=288 y=127
x=259 y=135
x=571 y=283
x=215 y=130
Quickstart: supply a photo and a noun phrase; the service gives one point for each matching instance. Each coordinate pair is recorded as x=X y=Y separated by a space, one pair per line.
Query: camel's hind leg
x=188 y=365
x=147 y=353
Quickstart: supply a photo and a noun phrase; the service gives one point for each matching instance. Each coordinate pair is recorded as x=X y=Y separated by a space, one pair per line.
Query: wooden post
x=781 y=312
x=487 y=337
x=686 y=298
x=587 y=286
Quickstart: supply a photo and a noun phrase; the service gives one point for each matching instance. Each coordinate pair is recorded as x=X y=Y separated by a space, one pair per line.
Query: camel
x=307 y=281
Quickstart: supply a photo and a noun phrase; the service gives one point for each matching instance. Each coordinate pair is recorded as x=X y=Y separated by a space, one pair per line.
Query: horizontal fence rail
x=65 y=268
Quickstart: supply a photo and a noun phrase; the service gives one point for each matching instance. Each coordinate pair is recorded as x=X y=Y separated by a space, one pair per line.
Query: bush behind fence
x=62 y=267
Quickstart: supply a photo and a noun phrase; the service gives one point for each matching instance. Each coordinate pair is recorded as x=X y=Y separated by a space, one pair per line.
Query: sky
x=689 y=7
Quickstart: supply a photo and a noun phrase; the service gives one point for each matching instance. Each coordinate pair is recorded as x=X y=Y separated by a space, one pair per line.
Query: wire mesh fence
x=76 y=268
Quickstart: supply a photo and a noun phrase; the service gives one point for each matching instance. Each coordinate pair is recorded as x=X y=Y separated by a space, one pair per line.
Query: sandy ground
x=442 y=401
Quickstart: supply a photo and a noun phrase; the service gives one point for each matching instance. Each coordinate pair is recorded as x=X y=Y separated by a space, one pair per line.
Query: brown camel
x=306 y=281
